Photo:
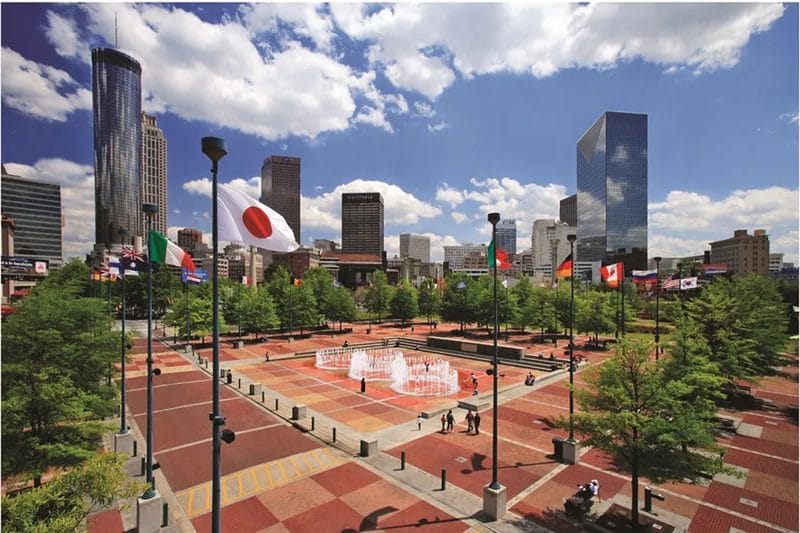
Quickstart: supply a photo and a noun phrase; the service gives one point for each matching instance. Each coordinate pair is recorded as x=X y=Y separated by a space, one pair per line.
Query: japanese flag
x=244 y=219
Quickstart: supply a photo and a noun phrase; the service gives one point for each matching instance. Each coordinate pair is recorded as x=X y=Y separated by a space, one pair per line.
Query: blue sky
x=451 y=111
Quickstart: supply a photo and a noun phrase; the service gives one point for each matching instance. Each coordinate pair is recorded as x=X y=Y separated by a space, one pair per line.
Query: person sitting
x=530 y=379
x=552 y=356
x=345 y=345
x=581 y=501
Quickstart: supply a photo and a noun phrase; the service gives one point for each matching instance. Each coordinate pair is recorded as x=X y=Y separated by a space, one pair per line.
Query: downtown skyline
x=393 y=99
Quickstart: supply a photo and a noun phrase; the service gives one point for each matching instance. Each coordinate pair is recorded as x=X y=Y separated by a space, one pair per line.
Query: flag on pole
x=244 y=219
x=612 y=274
x=644 y=276
x=164 y=251
x=715 y=268
x=123 y=266
x=498 y=258
x=564 y=270
x=688 y=283
x=671 y=283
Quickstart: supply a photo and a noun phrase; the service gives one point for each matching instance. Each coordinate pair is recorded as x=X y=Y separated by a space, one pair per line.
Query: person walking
x=477 y=422
x=419 y=422
x=363 y=385
x=444 y=422
x=451 y=421
x=470 y=420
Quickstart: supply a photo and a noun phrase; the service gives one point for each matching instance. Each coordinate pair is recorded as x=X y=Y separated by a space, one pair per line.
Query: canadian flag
x=612 y=274
x=244 y=219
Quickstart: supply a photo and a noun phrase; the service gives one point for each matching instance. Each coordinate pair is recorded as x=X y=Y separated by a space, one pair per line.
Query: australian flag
x=132 y=260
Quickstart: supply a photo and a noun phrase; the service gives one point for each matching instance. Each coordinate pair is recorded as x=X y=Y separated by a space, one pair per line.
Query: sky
x=451 y=111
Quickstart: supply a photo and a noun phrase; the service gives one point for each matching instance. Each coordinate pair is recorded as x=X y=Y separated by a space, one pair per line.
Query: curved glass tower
x=117 y=110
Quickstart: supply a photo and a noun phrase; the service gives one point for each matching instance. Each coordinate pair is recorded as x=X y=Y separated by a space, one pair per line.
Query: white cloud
x=458 y=218
x=202 y=186
x=437 y=126
x=791 y=118
x=447 y=194
x=307 y=20
x=39 y=90
x=421 y=46
x=400 y=207
x=685 y=222
x=423 y=109
x=77 y=199
x=62 y=33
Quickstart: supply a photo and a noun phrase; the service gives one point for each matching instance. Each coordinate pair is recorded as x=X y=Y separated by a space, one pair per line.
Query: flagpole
x=571 y=238
x=622 y=298
x=215 y=149
x=494 y=218
x=123 y=425
x=150 y=211
x=658 y=290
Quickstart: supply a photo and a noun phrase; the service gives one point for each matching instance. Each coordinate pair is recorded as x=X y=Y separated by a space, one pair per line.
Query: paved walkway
x=279 y=478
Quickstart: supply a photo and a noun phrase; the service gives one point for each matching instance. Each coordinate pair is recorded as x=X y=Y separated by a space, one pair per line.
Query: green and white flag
x=162 y=250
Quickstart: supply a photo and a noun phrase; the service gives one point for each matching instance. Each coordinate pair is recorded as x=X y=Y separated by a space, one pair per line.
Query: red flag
x=612 y=274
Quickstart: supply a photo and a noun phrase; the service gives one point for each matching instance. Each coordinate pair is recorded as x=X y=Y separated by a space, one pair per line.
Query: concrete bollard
x=142 y=469
x=263 y=396
x=313 y=423
x=333 y=433
x=444 y=478
x=240 y=383
x=135 y=448
x=402 y=460
x=165 y=515
x=276 y=404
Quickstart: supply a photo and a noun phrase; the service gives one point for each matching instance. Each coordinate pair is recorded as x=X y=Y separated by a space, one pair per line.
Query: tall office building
x=415 y=247
x=154 y=172
x=548 y=235
x=568 y=210
x=35 y=208
x=117 y=114
x=191 y=240
x=454 y=256
x=507 y=236
x=743 y=253
x=280 y=188
x=362 y=223
x=612 y=191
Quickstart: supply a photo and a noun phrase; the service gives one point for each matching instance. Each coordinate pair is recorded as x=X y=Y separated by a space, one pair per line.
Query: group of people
x=581 y=501
x=530 y=379
x=449 y=422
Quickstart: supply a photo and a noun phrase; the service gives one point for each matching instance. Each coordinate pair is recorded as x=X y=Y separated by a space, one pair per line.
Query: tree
x=65 y=502
x=56 y=348
x=594 y=313
x=538 y=311
x=404 y=302
x=653 y=422
x=74 y=275
x=201 y=319
x=523 y=291
x=428 y=297
x=379 y=295
x=257 y=311
x=340 y=306
x=321 y=283
x=454 y=306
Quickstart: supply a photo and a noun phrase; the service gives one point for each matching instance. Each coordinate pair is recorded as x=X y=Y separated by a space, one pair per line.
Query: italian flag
x=162 y=250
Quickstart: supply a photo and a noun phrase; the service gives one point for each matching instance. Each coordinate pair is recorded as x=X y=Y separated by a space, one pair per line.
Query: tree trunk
x=37 y=480
x=635 y=495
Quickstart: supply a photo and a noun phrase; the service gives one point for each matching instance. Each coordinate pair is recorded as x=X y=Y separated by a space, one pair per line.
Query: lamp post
x=123 y=424
x=658 y=336
x=571 y=238
x=214 y=148
x=150 y=211
x=494 y=218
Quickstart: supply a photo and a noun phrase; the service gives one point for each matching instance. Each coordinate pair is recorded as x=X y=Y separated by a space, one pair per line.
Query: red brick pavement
x=109 y=521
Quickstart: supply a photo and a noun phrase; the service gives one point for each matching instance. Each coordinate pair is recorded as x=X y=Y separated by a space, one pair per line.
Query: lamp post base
x=494 y=502
x=571 y=451
x=123 y=443
x=149 y=514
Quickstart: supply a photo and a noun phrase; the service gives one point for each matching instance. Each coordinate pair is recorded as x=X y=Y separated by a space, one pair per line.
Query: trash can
x=558 y=448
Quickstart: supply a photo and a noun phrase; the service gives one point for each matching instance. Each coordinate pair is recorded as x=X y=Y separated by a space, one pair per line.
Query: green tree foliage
x=74 y=275
x=594 y=313
x=789 y=293
x=232 y=295
x=739 y=321
x=57 y=347
x=651 y=421
x=455 y=300
x=379 y=295
x=340 y=306
x=404 y=303
x=538 y=311
x=321 y=283
x=523 y=292
x=257 y=311
x=64 y=503
x=201 y=320
x=428 y=298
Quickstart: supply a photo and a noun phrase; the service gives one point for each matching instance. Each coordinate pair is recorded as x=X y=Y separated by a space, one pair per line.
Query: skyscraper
x=612 y=191
x=507 y=236
x=362 y=223
x=117 y=109
x=154 y=171
x=35 y=208
x=280 y=188
x=415 y=247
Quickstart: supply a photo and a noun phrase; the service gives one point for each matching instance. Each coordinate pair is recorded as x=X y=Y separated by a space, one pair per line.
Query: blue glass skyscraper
x=612 y=191
x=117 y=113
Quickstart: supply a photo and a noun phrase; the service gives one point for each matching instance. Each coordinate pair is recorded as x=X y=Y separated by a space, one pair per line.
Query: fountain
x=411 y=375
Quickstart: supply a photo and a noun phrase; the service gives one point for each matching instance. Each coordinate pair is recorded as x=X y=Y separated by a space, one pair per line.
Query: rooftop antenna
x=116 y=34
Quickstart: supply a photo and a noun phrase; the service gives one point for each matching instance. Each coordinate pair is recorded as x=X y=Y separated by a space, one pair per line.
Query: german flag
x=564 y=270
